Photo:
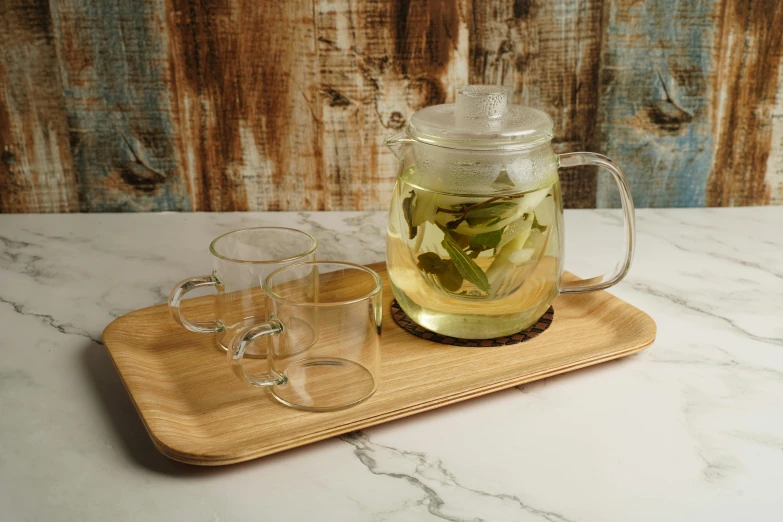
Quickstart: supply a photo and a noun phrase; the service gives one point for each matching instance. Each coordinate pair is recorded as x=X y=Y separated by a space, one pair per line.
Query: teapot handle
x=576 y=159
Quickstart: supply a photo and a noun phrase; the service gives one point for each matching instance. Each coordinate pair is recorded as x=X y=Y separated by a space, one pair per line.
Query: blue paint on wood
x=114 y=63
x=655 y=100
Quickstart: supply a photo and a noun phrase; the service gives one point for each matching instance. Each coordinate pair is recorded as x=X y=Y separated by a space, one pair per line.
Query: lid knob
x=481 y=102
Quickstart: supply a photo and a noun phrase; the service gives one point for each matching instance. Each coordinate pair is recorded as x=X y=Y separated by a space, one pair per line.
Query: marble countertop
x=689 y=429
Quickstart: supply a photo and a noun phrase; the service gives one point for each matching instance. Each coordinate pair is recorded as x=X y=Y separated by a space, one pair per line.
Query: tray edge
x=201 y=460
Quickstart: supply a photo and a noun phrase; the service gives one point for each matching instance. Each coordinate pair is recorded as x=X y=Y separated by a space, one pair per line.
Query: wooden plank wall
x=217 y=105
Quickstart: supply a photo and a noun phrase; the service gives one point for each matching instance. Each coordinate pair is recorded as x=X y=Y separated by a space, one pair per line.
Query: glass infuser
x=475 y=236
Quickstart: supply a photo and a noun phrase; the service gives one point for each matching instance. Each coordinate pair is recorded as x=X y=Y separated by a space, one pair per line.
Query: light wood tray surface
x=197 y=411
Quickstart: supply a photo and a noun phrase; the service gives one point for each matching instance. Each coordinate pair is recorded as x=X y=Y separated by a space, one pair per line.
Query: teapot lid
x=481 y=119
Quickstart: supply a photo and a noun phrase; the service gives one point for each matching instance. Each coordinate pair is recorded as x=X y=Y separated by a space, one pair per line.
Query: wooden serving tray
x=198 y=412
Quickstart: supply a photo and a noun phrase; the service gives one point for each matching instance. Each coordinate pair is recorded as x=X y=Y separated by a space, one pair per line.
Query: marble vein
x=430 y=476
x=333 y=244
x=12 y=243
x=48 y=320
x=699 y=249
x=766 y=440
x=683 y=302
x=726 y=361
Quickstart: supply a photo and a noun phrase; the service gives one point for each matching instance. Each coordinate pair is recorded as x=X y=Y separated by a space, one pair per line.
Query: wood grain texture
x=379 y=62
x=36 y=171
x=746 y=83
x=114 y=66
x=224 y=105
x=197 y=411
x=246 y=89
x=654 y=116
x=774 y=167
x=549 y=54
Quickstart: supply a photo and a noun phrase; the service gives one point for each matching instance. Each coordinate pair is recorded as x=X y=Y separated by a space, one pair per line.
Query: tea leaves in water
x=466 y=266
x=496 y=229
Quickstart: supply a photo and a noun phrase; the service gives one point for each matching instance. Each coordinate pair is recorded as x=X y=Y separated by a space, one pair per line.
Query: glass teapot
x=475 y=236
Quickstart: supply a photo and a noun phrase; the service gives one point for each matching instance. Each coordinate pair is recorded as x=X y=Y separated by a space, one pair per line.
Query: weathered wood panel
x=258 y=105
x=246 y=87
x=36 y=173
x=114 y=67
x=380 y=61
x=774 y=167
x=656 y=92
x=748 y=59
x=549 y=53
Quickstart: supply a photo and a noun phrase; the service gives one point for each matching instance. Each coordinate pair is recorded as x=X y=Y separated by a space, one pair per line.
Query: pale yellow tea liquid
x=475 y=267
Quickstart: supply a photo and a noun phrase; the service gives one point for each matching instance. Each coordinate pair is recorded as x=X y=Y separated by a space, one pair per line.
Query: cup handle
x=175 y=300
x=236 y=354
x=576 y=159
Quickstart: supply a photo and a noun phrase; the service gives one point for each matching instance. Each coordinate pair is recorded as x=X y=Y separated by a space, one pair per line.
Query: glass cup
x=242 y=259
x=324 y=329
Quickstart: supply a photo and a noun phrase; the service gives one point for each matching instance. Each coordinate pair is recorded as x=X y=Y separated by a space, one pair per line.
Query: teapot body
x=475 y=238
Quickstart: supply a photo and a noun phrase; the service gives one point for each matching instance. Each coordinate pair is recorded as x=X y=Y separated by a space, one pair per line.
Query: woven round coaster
x=407 y=324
